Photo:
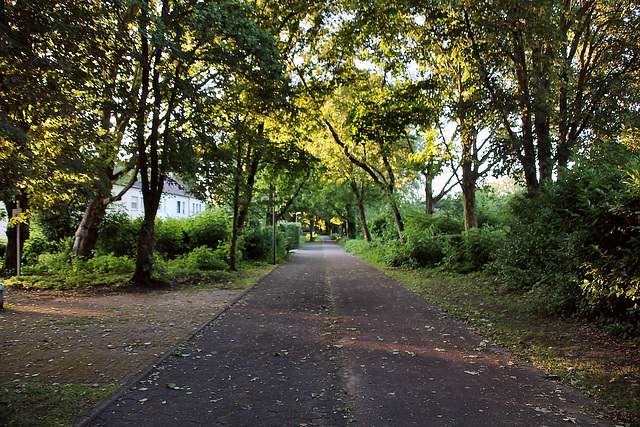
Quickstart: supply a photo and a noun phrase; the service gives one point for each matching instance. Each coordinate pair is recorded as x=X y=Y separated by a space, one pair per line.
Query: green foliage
x=210 y=228
x=491 y=208
x=383 y=227
x=201 y=258
x=574 y=244
x=118 y=235
x=56 y=271
x=107 y=264
x=38 y=244
x=256 y=244
x=432 y=241
x=474 y=249
x=171 y=237
x=292 y=231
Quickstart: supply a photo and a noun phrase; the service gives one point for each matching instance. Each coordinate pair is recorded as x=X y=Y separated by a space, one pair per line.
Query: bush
x=118 y=235
x=383 y=227
x=37 y=245
x=54 y=270
x=474 y=249
x=211 y=228
x=574 y=244
x=110 y=264
x=201 y=258
x=292 y=231
x=256 y=244
x=171 y=238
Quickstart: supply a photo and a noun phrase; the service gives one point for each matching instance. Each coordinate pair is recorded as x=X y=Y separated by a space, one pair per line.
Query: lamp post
x=298 y=213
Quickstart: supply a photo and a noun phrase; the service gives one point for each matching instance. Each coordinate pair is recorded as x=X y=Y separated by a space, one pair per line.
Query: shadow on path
x=327 y=339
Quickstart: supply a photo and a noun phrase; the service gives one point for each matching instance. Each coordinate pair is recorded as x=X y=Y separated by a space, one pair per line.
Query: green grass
x=39 y=404
x=247 y=275
x=189 y=278
x=603 y=367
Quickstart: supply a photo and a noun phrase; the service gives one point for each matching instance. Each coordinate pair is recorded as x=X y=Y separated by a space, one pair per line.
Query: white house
x=176 y=202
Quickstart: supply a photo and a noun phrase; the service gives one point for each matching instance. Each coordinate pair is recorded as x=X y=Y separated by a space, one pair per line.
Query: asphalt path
x=326 y=339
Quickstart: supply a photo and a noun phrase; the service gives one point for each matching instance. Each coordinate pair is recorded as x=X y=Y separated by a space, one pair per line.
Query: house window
x=134 y=203
x=178 y=206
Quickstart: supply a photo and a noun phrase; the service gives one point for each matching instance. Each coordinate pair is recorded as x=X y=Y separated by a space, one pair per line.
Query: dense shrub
x=474 y=249
x=109 y=264
x=118 y=235
x=210 y=228
x=574 y=245
x=434 y=241
x=256 y=244
x=171 y=238
x=201 y=258
x=383 y=227
x=292 y=231
x=38 y=244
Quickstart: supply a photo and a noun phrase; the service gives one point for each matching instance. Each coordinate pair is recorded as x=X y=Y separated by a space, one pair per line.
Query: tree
x=41 y=47
x=555 y=71
x=107 y=100
x=187 y=53
x=376 y=129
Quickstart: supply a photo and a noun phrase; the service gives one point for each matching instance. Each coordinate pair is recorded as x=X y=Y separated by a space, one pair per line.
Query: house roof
x=172 y=185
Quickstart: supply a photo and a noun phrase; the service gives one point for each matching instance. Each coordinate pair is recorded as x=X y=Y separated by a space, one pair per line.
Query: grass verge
x=40 y=404
x=575 y=352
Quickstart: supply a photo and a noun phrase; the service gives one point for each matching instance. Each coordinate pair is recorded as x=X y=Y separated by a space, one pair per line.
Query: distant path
x=327 y=339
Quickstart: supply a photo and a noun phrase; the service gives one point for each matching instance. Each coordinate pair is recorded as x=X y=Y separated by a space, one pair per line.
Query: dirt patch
x=96 y=339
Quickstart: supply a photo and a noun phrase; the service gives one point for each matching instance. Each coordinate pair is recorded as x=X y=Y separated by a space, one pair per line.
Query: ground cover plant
x=192 y=250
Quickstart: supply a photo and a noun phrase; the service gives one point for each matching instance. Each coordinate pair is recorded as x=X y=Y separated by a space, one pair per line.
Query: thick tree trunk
x=10 y=263
x=87 y=233
x=428 y=199
x=146 y=238
x=146 y=246
x=469 y=204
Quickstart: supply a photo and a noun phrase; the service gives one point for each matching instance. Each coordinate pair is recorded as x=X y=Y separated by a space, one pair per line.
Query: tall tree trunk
x=241 y=201
x=469 y=204
x=363 y=217
x=469 y=139
x=396 y=216
x=428 y=196
x=87 y=233
x=351 y=223
x=10 y=263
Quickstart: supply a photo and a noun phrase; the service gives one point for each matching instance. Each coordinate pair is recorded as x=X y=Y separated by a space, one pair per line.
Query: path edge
x=97 y=410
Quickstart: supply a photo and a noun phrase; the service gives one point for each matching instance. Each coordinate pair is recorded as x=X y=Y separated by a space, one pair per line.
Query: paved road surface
x=328 y=340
